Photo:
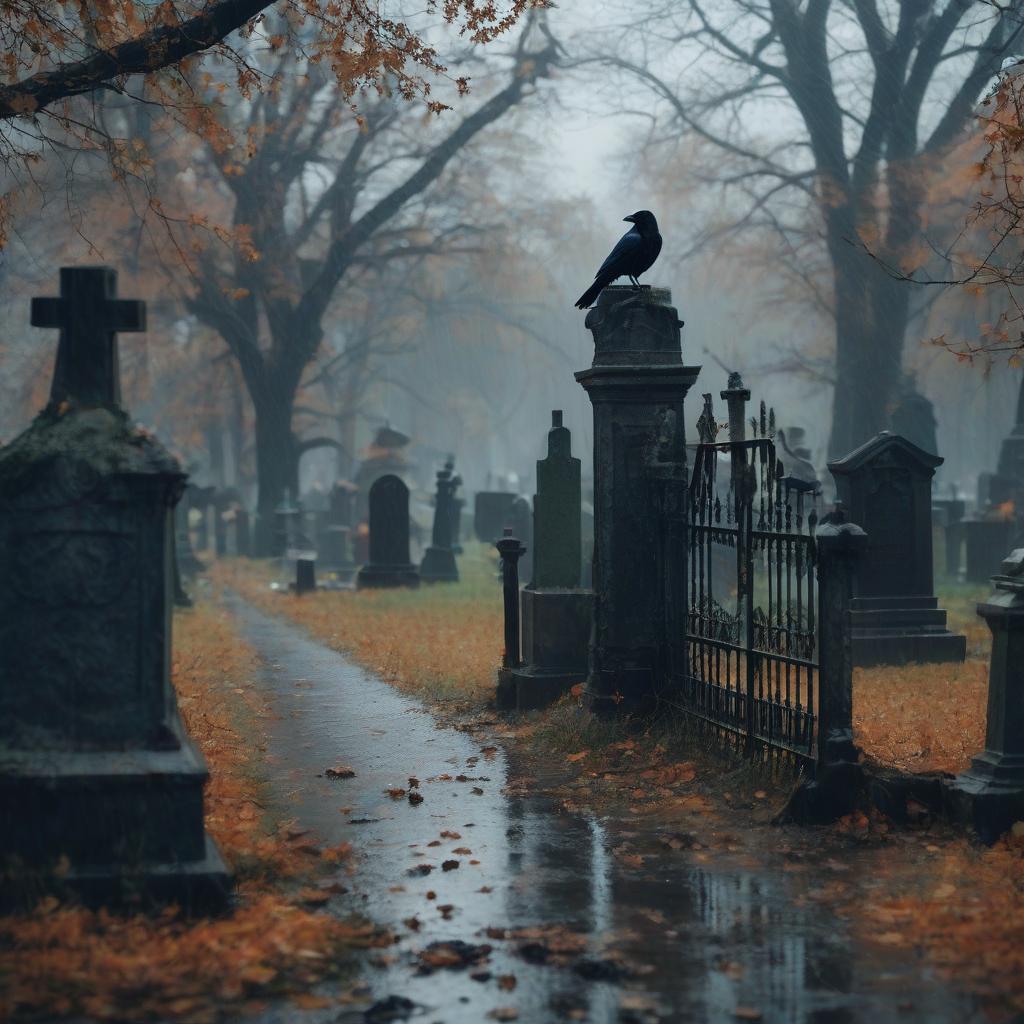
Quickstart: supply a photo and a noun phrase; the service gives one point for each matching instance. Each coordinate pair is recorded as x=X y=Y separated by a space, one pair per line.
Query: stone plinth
x=886 y=486
x=101 y=789
x=637 y=385
x=990 y=795
x=389 y=564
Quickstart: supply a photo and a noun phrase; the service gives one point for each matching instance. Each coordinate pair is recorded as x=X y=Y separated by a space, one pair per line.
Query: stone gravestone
x=913 y=417
x=389 y=564
x=438 y=563
x=637 y=385
x=886 y=486
x=491 y=514
x=520 y=518
x=556 y=612
x=99 y=775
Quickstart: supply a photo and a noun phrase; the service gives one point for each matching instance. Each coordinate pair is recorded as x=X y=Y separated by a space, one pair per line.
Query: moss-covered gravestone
x=101 y=789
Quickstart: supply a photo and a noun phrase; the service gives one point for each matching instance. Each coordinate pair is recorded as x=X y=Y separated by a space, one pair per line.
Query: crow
x=634 y=254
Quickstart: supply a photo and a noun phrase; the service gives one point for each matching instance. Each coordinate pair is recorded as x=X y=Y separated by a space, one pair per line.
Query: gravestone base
x=388 y=576
x=556 y=628
x=129 y=823
x=902 y=630
x=989 y=796
x=438 y=566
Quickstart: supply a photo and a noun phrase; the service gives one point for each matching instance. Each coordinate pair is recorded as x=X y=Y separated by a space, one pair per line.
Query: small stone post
x=839 y=544
x=636 y=380
x=511 y=550
x=305 y=575
x=838 y=777
x=990 y=794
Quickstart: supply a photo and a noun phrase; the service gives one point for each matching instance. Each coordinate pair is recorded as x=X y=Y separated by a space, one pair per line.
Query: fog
x=471 y=348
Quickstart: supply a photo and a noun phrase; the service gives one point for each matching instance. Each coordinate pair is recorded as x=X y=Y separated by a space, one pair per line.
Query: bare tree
x=316 y=194
x=844 y=105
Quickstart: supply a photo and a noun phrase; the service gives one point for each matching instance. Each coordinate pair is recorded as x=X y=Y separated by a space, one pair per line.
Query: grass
x=927 y=718
x=60 y=961
x=441 y=642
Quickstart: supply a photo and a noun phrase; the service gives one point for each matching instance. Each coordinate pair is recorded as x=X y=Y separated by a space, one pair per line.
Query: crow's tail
x=586 y=300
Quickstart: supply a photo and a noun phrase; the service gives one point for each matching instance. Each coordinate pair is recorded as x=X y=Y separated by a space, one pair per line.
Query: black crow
x=634 y=254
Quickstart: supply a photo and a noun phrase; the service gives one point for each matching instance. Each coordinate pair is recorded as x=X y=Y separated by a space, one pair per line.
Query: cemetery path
x=606 y=939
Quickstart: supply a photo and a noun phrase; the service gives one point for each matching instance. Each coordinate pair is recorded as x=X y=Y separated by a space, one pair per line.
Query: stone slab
x=880 y=647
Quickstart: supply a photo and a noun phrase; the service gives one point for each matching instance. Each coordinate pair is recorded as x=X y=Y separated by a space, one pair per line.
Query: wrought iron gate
x=751 y=664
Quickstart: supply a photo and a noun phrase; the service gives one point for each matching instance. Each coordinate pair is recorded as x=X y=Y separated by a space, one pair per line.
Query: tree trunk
x=277 y=462
x=872 y=311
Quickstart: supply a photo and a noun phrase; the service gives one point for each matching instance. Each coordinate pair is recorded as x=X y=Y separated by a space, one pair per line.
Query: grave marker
x=389 y=564
x=97 y=765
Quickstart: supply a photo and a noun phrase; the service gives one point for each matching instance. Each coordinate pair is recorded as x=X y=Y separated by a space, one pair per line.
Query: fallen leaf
x=341 y=771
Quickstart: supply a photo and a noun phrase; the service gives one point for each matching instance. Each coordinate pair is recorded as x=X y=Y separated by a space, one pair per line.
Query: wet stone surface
x=509 y=908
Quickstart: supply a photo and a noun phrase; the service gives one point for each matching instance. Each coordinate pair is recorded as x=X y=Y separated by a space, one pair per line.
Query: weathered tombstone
x=305 y=575
x=990 y=794
x=913 y=417
x=637 y=384
x=520 y=518
x=491 y=514
x=101 y=791
x=796 y=457
x=188 y=562
x=556 y=613
x=456 y=505
x=886 y=485
x=986 y=534
x=1005 y=487
x=389 y=564
x=438 y=565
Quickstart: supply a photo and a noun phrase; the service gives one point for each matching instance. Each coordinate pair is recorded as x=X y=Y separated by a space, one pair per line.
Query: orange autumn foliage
x=63 y=961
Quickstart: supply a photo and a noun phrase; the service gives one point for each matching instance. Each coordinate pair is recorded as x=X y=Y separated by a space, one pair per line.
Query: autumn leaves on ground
x=932 y=890
x=276 y=940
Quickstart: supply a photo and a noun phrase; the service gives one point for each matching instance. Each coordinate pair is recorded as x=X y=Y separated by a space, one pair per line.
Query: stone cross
x=89 y=315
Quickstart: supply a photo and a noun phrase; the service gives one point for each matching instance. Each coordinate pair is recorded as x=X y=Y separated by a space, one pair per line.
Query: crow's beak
x=630 y=219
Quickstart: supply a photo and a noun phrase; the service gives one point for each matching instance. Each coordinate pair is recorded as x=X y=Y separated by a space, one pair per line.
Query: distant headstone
x=438 y=565
x=491 y=514
x=101 y=791
x=305 y=575
x=886 y=486
x=520 y=518
x=913 y=418
x=986 y=534
x=389 y=564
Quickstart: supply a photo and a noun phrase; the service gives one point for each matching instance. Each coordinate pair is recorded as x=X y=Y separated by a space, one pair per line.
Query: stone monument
x=438 y=565
x=556 y=612
x=389 y=564
x=886 y=484
x=636 y=384
x=990 y=795
x=101 y=790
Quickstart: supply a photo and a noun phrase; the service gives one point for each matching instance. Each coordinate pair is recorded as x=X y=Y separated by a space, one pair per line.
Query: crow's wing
x=624 y=252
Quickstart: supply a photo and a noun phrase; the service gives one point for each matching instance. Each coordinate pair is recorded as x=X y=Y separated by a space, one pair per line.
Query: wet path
x=667 y=940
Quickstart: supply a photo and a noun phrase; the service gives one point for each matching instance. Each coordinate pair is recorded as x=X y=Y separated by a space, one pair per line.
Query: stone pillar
x=636 y=380
x=438 y=565
x=101 y=790
x=990 y=794
x=840 y=545
x=511 y=550
x=556 y=613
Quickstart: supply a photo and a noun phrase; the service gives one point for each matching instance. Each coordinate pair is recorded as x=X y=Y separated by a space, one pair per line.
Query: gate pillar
x=636 y=384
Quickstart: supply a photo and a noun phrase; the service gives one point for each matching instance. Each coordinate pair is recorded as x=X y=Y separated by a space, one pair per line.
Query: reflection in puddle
x=700 y=941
